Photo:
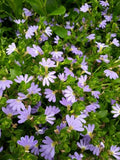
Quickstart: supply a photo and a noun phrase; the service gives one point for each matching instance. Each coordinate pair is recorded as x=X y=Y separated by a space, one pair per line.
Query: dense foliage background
x=59 y=79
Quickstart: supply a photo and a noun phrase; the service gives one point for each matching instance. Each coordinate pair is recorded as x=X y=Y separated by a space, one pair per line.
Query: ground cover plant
x=60 y=80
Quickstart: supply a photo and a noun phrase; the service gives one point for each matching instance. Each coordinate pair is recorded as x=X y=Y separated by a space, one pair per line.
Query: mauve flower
x=81 y=118
x=113 y=101
x=74 y=50
x=104 y=58
x=18 y=21
x=115 y=42
x=56 y=39
x=111 y=74
x=77 y=10
x=92 y=107
x=62 y=77
x=103 y=24
x=83 y=144
x=113 y=35
x=74 y=124
x=49 y=78
x=15 y=104
x=21 y=96
x=68 y=26
x=5 y=84
x=104 y=3
x=11 y=48
x=35 y=150
x=43 y=38
x=84 y=7
x=116 y=110
x=95 y=94
x=86 y=88
x=27 y=142
x=21 y=78
x=90 y=129
x=50 y=95
x=82 y=80
x=1 y=148
x=76 y=156
x=8 y=111
x=27 y=12
x=115 y=152
x=69 y=94
x=47 y=63
x=34 y=89
x=24 y=115
x=35 y=51
x=48 y=31
x=91 y=36
x=48 y=148
x=108 y=18
x=30 y=32
x=50 y=111
x=68 y=72
x=35 y=108
x=84 y=66
x=101 y=46
x=56 y=54
x=66 y=103
x=61 y=126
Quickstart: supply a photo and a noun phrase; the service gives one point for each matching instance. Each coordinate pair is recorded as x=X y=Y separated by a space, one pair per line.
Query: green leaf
x=102 y=114
x=16 y=6
x=59 y=11
x=38 y=6
x=60 y=31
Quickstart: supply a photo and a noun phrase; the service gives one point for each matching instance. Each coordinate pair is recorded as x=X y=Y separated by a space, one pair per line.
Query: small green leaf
x=60 y=31
x=59 y=11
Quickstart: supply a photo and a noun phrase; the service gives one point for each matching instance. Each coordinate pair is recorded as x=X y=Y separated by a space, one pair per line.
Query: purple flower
x=64 y=102
x=91 y=36
x=84 y=66
x=68 y=26
x=92 y=107
x=115 y=151
x=47 y=63
x=81 y=118
x=48 y=31
x=49 y=78
x=11 y=48
x=90 y=129
x=104 y=58
x=34 y=89
x=27 y=142
x=69 y=94
x=77 y=10
x=103 y=24
x=30 y=32
x=35 y=108
x=104 y=3
x=48 y=148
x=68 y=72
x=115 y=42
x=95 y=150
x=62 y=125
x=86 y=88
x=50 y=95
x=5 y=84
x=8 y=111
x=34 y=51
x=21 y=96
x=84 y=7
x=101 y=46
x=62 y=77
x=50 y=112
x=23 y=78
x=111 y=74
x=113 y=35
x=56 y=54
x=82 y=80
x=56 y=39
x=74 y=124
x=27 y=12
x=1 y=148
x=84 y=145
x=95 y=94
x=116 y=110
x=18 y=21
x=76 y=156
x=108 y=18
x=113 y=101
x=15 y=104
x=35 y=150
x=74 y=50
x=43 y=38
x=24 y=115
